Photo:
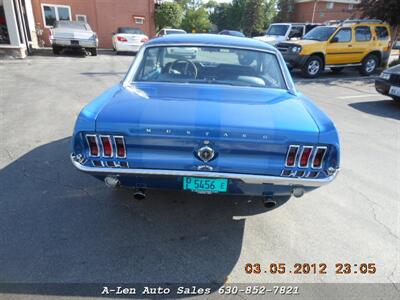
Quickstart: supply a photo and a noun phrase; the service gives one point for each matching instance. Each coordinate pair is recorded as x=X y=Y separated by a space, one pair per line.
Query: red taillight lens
x=107 y=146
x=121 y=39
x=319 y=157
x=93 y=146
x=305 y=156
x=291 y=156
x=120 y=145
x=144 y=40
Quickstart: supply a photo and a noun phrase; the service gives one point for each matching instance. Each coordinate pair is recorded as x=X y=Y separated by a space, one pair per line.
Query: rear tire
x=93 y=51
x=369 y=65
x=56 y=50
x=337 y=70
x=313 y=67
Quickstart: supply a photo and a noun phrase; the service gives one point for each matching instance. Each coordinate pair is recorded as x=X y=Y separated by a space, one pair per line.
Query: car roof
x=211 y=40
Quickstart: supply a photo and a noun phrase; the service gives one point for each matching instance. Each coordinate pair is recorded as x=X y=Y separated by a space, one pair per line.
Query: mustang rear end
x=228 y=121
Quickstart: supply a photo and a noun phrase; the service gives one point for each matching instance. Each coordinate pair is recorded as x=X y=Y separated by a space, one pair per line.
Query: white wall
x=11 y=22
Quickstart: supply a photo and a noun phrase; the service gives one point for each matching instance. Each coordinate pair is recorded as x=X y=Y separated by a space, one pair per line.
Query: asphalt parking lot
x=59 y=225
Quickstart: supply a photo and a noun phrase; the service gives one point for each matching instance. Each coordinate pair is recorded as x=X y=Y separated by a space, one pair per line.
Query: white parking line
x=357 y=96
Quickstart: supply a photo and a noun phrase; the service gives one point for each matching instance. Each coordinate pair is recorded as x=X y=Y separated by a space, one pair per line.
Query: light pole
x=313 y=13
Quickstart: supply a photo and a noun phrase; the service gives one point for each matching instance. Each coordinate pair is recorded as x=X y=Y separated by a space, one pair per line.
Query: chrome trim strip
x=102 y=145
x=247 y=178
x=97 y=145
x=309 y=157
x=322 y=158
x=295 y=156
x=116 y=147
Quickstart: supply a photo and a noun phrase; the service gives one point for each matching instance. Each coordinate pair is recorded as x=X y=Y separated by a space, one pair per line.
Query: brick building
x=319 y=11
x=104 y=16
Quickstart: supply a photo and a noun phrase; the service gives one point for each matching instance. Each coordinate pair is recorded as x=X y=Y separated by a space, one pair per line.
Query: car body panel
x=383 y=84
x=165 y=124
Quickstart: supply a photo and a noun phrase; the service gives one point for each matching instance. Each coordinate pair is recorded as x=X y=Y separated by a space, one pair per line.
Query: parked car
x=360 y=44
x=75 y=35
x=128 y=39
x=279 y=32
x=388 y=83
x=167 y=31
x=232 y=32
x=208 y=125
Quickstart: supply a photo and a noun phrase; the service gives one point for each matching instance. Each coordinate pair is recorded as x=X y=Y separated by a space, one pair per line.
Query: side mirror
x=335 y=40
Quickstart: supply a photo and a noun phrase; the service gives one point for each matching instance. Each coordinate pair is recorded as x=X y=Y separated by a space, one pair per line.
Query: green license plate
x=205 y=184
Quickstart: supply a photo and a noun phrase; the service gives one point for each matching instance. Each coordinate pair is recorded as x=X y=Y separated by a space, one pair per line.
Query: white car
x=128 y=39
x=73 y=34
x=168 y=31
x=280 y=32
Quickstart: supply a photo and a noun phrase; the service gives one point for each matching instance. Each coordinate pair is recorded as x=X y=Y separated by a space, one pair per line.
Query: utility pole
x=313 y=13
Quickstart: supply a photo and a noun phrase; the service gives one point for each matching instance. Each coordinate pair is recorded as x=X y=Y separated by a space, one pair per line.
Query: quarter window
x=381 y=33
x=53 y=13
x=343 y=35
x=363 y=34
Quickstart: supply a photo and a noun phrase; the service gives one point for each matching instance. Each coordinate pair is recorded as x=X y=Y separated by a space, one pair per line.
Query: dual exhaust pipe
x=140 y=193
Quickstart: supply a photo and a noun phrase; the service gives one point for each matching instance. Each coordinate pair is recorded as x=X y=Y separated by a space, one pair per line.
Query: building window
x=351 y=6
x=363 y=34
x=138 y=20
x=53 y=13
x=330 y=5
x=81 y=18
x=4 y=37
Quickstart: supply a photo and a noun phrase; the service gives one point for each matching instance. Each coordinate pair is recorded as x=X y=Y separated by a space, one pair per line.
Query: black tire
x=56 y=50
x=313 y=67
x=396 y=98
x=93 y=51
x=337 y=70
x=369 y=65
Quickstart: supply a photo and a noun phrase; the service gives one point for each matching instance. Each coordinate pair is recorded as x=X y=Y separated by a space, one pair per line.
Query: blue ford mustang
x=207 y=114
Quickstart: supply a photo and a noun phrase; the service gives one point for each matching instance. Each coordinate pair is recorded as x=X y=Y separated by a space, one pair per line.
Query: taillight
x=121 y=39
x=120 y=146
x=93 y=145
x=107 y=146
x=305 y=156
x=319 y=157
x=291 y=156
x=144 y=40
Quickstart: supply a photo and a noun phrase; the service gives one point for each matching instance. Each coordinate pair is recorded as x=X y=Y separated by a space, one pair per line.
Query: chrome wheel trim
x=370 y=65
x=313 y=67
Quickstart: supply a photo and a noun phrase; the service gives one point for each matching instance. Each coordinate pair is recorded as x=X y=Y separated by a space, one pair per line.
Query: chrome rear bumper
x=247 y=178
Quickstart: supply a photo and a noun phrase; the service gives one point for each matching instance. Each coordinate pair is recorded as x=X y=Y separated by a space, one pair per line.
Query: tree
x=285 y=8
x=385 y=10
x=196 y=19
x=253 y=18
x=168 y=14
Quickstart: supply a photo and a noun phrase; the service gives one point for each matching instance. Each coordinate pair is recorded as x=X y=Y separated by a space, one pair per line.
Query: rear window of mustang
x=210 y=65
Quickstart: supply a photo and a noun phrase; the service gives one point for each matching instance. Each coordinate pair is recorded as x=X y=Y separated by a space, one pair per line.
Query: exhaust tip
x=111 y=181
x=269 y=202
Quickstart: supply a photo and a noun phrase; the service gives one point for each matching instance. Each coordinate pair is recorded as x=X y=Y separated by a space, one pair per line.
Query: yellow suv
x=361 y=44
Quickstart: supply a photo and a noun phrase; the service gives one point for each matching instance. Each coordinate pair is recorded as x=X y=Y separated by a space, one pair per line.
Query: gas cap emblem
x=206 y=153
